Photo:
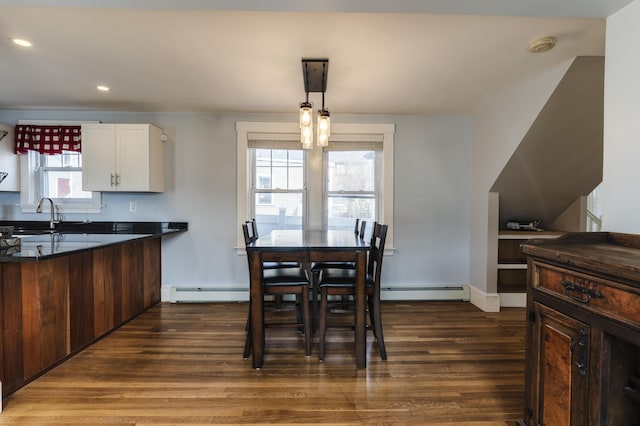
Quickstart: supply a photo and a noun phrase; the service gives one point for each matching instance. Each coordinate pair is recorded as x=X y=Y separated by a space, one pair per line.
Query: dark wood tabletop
x=309 y=240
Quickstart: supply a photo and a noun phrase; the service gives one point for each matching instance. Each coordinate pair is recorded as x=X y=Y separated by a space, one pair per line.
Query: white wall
x=621 y=174
x=497 y=131
x=432 y=186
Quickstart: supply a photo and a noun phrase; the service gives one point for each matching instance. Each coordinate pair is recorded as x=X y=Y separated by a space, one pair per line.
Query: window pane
x=263 y=178
x=65 y=184
x=263 y=157
x=65 y=159
x=280 y=177
x=279 y=156
x=351 y=170
x=296 y=170
x=295 y=157
x=278 y=211
x=343 y=210
x=281 y=168
x=71 y=159
x=51 y=160
x=296 y=178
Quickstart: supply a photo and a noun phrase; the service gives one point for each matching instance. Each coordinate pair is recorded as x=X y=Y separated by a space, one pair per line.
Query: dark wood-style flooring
x=449 y=364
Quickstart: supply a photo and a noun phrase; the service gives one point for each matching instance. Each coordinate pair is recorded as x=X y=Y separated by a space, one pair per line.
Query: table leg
x=257 y=308
x=361 y=305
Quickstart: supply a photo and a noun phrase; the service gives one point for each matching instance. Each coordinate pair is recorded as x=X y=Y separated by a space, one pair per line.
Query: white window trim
x=29 y=199
x=291 y=131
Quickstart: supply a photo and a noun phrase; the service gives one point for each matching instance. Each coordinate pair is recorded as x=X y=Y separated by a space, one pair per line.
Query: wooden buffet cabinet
x=583 y=330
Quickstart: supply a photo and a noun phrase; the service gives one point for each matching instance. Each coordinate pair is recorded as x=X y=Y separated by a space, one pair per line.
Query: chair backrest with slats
x=363 y=227
x=247 y=232
x=254 y=227
x=378 y=239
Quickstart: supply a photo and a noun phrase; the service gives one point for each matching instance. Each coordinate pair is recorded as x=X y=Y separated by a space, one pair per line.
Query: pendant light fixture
x=314 y=73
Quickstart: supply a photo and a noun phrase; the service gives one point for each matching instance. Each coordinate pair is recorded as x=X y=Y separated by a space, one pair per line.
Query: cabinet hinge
x=532 y=316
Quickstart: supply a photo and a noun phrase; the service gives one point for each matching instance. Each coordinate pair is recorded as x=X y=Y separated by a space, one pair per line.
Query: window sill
x=64 y=208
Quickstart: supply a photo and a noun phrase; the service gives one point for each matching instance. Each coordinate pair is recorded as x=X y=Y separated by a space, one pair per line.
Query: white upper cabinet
x=122 y=157
x=9 y=161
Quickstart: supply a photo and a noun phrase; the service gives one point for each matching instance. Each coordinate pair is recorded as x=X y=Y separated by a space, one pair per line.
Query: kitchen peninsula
x=61 y=291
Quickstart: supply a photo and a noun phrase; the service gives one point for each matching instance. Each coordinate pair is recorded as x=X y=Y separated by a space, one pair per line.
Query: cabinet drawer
x=606 y=298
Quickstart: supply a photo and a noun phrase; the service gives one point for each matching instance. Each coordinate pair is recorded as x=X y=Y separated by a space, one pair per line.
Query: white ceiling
x=385 y=56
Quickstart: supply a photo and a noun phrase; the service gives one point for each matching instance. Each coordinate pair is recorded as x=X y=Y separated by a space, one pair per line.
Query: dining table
x=307 y=246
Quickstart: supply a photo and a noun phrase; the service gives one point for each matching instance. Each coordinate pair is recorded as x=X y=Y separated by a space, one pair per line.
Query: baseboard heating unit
x=212 y=294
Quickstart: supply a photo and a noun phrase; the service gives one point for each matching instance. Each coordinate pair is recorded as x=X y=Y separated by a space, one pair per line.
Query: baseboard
x=513 y=300
x=488 y=302
x=425 y=293
x=176 y=294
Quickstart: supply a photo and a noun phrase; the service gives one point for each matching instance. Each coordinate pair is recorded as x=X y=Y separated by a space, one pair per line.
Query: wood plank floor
x=449 y=363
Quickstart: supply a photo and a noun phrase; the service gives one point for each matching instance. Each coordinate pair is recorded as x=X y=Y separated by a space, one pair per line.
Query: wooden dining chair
x=280 y=282
x=341 y=282
x=317 y=267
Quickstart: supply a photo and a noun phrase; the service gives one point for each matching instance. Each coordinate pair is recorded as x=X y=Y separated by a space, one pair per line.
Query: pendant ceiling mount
x=314 y=72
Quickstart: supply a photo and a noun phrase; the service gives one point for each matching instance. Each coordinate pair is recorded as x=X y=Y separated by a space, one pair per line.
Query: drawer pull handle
x=579 y=293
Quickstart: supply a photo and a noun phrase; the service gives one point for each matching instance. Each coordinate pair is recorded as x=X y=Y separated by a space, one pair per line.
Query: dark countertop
x=37 y=242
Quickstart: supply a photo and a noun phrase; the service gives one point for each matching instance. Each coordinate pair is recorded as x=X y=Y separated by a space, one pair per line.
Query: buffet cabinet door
x=559 y=370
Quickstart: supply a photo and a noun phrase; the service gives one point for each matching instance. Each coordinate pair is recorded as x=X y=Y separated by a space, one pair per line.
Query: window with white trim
x=377 y=138
x=56 y=176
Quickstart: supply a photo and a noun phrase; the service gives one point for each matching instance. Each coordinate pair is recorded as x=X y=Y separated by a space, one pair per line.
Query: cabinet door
x=132 y=157
x=98 y=157
x=560 y=367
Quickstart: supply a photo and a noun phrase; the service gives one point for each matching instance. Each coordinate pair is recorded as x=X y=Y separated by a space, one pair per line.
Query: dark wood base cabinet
x=51 y=309
x=583 y=333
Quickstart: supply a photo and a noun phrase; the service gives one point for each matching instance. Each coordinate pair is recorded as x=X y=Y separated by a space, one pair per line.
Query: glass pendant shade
x=307 y=144
x=306 y=115
x=323 y=140
x=306 y=137
x=324 y=127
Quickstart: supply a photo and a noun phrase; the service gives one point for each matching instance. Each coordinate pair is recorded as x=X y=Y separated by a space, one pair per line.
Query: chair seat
x=319 y=266
x=285 y=277
x=280 y=265
x=339 y=277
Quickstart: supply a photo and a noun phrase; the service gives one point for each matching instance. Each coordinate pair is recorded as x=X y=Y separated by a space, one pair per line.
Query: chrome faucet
x=53 y=221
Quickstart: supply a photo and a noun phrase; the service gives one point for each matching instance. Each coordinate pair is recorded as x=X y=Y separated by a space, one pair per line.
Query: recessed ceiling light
x=102 y=88
x=21 y=42
x=542 y=44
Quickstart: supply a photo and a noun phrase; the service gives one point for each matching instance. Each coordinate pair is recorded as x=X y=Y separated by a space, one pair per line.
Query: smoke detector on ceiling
x=542 y=44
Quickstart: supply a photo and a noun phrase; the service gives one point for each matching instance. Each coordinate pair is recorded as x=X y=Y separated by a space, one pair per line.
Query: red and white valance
x=47 y=139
